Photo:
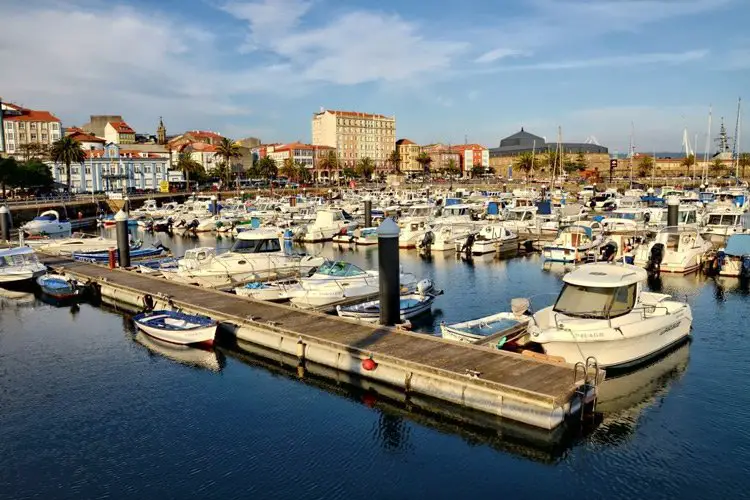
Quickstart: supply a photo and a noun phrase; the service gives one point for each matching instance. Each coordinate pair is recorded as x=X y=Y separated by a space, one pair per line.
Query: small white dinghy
x=411 y=305
x=478 y=329
x=177 y=327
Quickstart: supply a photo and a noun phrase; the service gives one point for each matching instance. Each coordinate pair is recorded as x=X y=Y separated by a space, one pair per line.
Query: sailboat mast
x=630 y=153
x=708 y=147
x=736 y=148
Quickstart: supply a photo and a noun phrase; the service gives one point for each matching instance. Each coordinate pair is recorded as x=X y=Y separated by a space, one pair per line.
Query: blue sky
x=479 y=69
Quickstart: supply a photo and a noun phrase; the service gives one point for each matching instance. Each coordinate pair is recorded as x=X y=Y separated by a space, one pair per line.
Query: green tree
x=718 y=167
x=267 y=168
x=222 y=172
x=349 y=173
x=302 y=173
x=329 y=162
x=525 y=162
x=288 y=168
x=688 y=162
x=67 y=151
x=33 y=150
x=425 y=161
x=581 y=161
x=452 y=168
x=188 y=166
x=645 y=166
x=228 y=150
x=365 y=167
x=743 y=161
x=395 y=161
x=35 y=174
x=477 y=171
x=9 y=173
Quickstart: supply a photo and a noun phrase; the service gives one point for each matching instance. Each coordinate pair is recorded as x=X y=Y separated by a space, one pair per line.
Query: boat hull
x=624 y=352
x=202 y=335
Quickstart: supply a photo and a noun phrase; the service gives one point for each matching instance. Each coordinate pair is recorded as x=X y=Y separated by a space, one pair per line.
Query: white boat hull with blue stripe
x=177 y=327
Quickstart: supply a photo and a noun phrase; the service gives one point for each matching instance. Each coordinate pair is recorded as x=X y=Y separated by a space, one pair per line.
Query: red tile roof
x=294 y=145
x=122 y=128
x=204 y=133
x=464 y=147
x=203 y=147
x=29 y=115
x=353 y=114
x=81 y=136
x=404 y=142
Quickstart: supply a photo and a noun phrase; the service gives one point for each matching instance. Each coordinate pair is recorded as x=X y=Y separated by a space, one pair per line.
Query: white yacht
x=604 y=313
x=256 y=255
x=338 y=280
x=48 y=223
x=490 y=239
x=674 y=250
x=18 y=265
x=720 y=224
x=77 y=243
x=521 y=220
x=574 y=242
x=328 y=223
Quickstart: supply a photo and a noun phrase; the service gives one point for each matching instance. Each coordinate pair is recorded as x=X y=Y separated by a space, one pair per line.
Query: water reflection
x=392 y=432
x=11 y=299
x=203 y=358
x=622 y=399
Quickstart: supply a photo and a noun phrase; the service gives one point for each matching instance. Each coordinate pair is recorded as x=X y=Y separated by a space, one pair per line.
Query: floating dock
x=533 y=391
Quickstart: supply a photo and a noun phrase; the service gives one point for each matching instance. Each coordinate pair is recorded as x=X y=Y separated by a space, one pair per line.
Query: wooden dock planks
x=549 y=383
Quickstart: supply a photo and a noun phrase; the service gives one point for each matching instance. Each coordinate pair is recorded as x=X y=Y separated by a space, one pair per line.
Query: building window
x=44 y=126
x=22 y=126
x=147 y=169
x=33 y=137
x=88 y=170
x=44 y=137
x=53 y=126
x=33 y=126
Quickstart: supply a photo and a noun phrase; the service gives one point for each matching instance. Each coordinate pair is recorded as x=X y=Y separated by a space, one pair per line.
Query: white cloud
x=501 y=53
x=613 y=61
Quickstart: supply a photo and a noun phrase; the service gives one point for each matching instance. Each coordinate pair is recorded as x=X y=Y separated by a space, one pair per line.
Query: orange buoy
x=369 y=364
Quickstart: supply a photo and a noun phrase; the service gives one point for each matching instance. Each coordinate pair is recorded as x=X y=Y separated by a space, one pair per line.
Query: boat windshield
x=723 y=220
x=515 y=215
x=46 y=218
x=595 y=302
x=257 y=246
x=339 y=268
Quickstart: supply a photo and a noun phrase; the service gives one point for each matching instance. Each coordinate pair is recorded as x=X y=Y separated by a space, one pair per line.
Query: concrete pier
x=536 y=392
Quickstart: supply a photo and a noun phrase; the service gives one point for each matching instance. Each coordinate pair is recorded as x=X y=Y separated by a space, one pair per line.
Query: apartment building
x=472 y=155
x=355 y=136
x=443 y=157
x=409 y=151
x=27 y=126
x=119 y=133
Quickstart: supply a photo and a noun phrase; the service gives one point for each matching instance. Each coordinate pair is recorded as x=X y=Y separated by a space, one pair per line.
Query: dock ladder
x=587 y=391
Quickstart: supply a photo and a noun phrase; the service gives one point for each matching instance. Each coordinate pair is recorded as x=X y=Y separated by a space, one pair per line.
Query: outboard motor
x=655 y=258
x=745 y=267
x=592 y=204
x=719 y=260
x=469 y=243
x=427 y=240
x=608 y=252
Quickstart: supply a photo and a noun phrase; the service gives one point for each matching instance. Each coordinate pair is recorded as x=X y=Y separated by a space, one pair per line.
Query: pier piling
x=368 y=212
x=389 y=273
x=214 y=205
x=123 y=238
x=673 y=211
x=5 y=223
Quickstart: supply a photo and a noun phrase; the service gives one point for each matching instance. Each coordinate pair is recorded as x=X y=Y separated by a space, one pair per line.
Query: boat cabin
x=521 y=214
x=257 y=241
x=724 y=218
x=600 y=291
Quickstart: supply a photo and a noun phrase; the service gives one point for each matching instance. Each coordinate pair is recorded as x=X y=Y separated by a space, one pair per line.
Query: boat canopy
x=577 y=228
x=606 y=275
x=738 y=245
x=339 y=268
x=10 y=252
x=258 y=234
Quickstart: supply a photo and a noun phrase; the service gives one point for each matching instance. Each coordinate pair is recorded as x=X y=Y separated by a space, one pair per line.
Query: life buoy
x=686 y=239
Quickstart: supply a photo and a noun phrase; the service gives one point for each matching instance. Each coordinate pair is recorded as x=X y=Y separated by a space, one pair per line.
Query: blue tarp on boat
x=738 y=245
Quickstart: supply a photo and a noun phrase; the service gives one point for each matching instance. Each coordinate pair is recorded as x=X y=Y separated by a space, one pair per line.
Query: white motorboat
x=18 y=265
x=721 y=224
x=733 y=259
x=411 y=305
x=48 y=223
x=673 y=250
x=446 y=236
x=574 y=242
x=475 y=330
x=177 y=327
x=604 y=313
x=490 y=239
x=338 y=280
x=255 y=256
x=77 y=243
x=328 y=223
x=269 y=291
x=521 y=220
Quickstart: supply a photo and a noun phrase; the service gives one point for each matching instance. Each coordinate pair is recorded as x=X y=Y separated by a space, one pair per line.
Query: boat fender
x=148 y=302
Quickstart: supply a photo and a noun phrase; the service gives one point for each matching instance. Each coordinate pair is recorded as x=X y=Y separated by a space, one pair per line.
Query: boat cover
x=738 y=245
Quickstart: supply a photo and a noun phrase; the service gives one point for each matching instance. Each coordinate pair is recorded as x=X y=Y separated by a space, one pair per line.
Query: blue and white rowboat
x=177 y=327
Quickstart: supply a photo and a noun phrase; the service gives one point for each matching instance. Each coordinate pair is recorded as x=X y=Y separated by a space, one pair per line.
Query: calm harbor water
x=90 y=408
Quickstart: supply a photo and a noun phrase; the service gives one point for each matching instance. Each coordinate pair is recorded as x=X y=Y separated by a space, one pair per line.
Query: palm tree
x=302 y=173
x=688 y=162
x=718 y=167
x=645 y=166
x=526 y=162
x=452 y=169
x=228 y=150
x=67 y=150
x=365 y=167
x=395 y=160
x=288 y=168
x=187 y=164
x=329 y=162
x=425 y=161
x=743 y=161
